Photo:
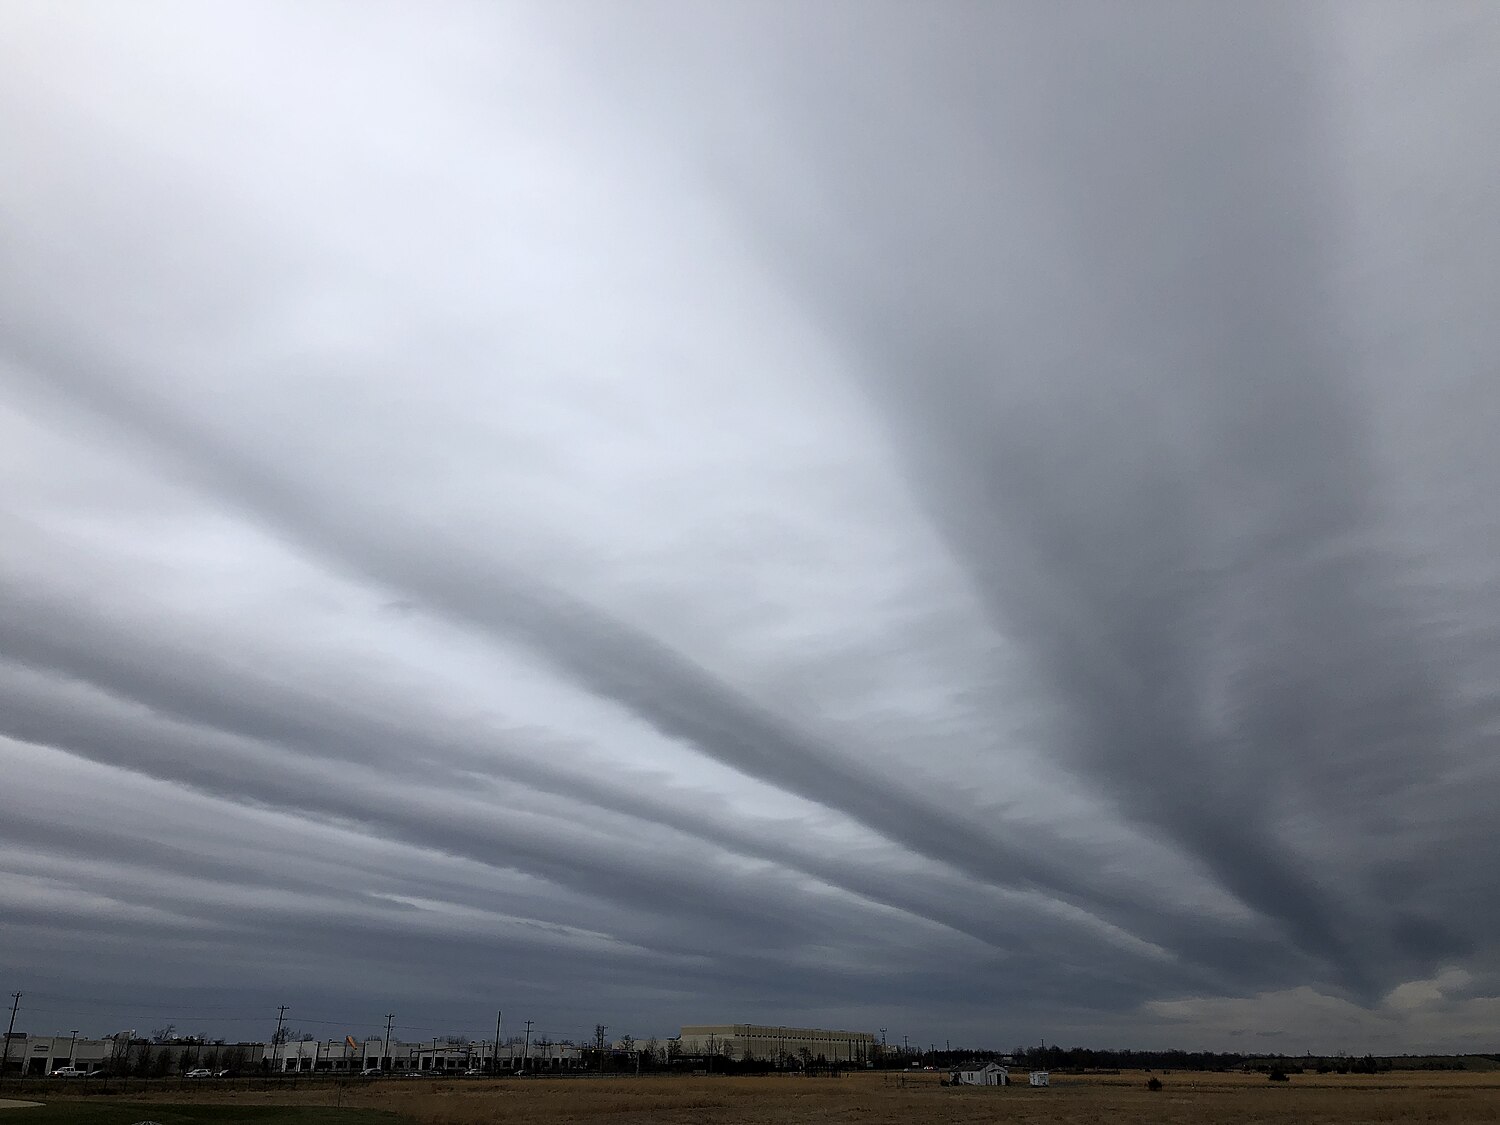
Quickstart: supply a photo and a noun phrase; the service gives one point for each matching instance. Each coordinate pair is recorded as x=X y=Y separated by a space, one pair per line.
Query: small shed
x=1041 y=1078
x=990 y=1074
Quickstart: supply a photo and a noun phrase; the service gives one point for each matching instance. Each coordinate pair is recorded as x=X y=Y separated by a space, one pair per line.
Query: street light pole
x=71 y=1044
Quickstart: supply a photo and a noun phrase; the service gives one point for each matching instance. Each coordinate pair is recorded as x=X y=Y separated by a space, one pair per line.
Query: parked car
x=201 y=1072
x=473 y=1072
x=371 y=1072
x=70 y=1072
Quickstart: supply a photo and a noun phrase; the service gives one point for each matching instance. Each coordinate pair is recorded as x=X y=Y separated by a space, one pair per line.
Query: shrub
x=1278 y=1075
x=1154 y=1083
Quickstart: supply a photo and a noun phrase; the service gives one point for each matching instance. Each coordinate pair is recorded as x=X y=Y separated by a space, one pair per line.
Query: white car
x=371 y=1072
x=69 y=1072
x=201 y=1072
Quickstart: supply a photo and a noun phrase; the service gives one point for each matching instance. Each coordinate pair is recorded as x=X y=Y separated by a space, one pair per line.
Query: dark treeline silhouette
x=1091 y=1058
x=1087 y=1058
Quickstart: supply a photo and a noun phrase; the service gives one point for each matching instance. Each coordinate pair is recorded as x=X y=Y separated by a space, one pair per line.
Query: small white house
x=990 y=1074
x=1041 y=1078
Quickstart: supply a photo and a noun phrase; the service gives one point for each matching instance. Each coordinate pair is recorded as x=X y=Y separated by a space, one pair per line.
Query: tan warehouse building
x=777 y=1044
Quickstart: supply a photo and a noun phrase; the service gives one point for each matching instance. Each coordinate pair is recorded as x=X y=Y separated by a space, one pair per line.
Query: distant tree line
x=1086 y=1058
x=1092 y=1058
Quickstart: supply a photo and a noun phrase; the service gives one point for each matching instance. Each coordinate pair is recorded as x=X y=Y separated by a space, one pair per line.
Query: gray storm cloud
x=752 y=511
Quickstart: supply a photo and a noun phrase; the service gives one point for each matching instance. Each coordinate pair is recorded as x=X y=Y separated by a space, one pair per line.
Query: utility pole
x=526 y=1052
x=389 y=1016
x=15 y=1002
x=276 y=1039
x=72 y=1043
x=495 y=1058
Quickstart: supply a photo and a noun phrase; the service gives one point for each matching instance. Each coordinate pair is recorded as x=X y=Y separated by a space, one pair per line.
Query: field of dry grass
x=878 y=1099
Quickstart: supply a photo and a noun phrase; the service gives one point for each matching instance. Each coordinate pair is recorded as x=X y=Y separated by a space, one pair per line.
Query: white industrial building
x=42 y=1054
x=778 y=1044
x=35 y=1056
x=348 y=1056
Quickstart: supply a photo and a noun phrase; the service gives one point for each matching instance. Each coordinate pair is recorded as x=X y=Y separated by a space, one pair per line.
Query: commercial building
x=42 y=1054
x=35 y=1056
x=344 y=1057
x=780 y=1045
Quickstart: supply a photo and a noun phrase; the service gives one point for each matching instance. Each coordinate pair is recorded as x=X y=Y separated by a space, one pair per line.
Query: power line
x=190 y=1012
x=216 y=1014
x=183 y=1016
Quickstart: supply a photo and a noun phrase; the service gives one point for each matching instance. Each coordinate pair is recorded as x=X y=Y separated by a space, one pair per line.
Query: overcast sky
x=979 y=520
